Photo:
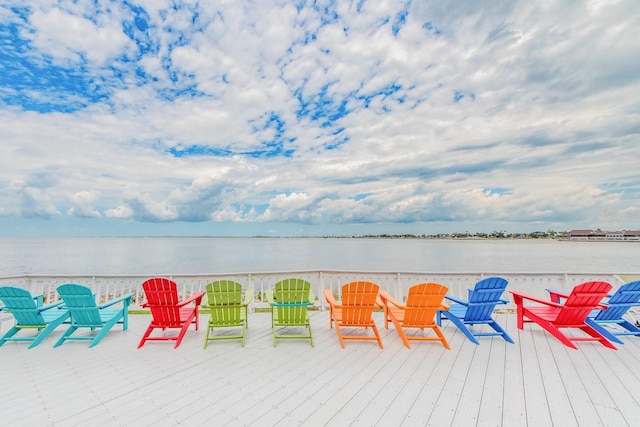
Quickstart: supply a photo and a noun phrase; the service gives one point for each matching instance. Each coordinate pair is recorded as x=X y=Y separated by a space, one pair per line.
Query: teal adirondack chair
x=478 y=310
x=228 y=309
x=85 y=313
x=29 y=313
x=289 y=302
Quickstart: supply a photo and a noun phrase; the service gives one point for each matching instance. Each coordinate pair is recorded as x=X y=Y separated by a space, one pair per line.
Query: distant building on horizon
x=604 y=235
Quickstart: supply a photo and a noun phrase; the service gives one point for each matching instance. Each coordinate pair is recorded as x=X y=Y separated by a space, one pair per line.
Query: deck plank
x=537 y=381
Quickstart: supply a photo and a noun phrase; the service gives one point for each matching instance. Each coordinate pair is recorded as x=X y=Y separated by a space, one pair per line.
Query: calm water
x=163 y=256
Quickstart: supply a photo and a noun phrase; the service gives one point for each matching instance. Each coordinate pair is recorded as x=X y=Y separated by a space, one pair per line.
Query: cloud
x=327 y=114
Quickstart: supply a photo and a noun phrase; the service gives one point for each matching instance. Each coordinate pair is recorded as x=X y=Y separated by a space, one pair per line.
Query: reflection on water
x=158 y=256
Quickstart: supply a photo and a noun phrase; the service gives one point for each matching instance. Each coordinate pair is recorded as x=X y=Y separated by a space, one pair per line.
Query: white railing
x=107 y=287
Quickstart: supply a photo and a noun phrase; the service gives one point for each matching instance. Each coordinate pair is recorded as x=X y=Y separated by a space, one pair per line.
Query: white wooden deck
x=536 y=382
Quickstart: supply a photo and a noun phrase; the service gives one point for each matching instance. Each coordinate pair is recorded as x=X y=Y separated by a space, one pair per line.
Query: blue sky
x=301 y=117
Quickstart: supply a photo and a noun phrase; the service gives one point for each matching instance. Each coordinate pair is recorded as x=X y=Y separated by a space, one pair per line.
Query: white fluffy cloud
x=463 y=115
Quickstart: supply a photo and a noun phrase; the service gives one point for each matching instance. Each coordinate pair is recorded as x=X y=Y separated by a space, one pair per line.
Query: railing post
x=398 y=291
x=321 y=296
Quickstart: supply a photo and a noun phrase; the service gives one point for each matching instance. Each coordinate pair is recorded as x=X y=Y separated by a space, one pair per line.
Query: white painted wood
x=537 y=381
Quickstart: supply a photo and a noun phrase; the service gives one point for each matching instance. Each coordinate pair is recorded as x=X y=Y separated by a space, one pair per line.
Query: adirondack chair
x=167 y=311
x=85 y=313
x=290 y=300
x=618 y=304
x=423 y=302
x=355 y=310
x=573 y=314
x=228 y=309
x=29 y=313
x=478 y=309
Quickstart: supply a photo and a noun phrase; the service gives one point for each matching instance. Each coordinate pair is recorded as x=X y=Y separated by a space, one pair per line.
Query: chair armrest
x=386 y=298
x=518 y=296
x=503 y=301
x=270 y=296
x=456 y=300
x=126 y=298
x=39 y=299
x=58 y=304
x=556 y=296
x=312 y=297
x=248 y=297
x=195 y=297
x=328 y=295
x=444 y=306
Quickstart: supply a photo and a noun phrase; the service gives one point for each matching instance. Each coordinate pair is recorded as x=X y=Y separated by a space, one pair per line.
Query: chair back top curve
x=582 y=300
x=81 y=303
x=358 y=301
x=423 y=301
x=484 y=297
x=627 y=296
x=22 y=305
x=224 y=299
x=162 y=299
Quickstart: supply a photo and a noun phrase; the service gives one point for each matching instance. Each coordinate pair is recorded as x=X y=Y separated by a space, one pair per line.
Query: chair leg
x=443 y=339
x=600 y=334
x=183 y=331
x=46 y=331
x=630 y=327
x=145 y=336
x=104 y=330
x=463 y=328
x=11 y=332
x=377 y=333
x=553 y=330
x=66 y=334
x=339 y=335
x=501 y=331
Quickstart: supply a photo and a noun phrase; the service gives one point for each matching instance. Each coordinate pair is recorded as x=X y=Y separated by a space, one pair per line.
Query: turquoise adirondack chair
x=478 y=310
x=228 y=309
x=29 y=313
x=85 y=313
x=290 y=300
x=618 y=305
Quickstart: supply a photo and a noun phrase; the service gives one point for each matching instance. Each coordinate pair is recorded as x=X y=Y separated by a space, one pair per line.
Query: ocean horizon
x=205 y=255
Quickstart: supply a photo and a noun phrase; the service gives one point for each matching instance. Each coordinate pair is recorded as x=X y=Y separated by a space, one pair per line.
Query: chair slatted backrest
x=162 y=299
x=81 y=304
x=225 y=302
x=627 y=296
x=358 y=302
x=581 y=302
x=423 y=301
x=22 y=306
x=484 y=297
x=292 y=300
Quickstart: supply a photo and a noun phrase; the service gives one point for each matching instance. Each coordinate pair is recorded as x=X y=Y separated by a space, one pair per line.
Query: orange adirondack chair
x=167 y=311
x=573 y=314
x=423 y=302
x=355 y=310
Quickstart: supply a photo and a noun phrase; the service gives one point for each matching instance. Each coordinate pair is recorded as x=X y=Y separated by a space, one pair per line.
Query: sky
x=312 y=118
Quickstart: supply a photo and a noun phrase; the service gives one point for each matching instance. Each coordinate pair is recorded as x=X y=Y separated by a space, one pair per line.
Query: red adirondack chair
x=573 y=314
x=167 y=311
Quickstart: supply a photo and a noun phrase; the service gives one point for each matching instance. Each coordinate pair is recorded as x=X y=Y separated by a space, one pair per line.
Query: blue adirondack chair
x=85 y=313
x=618 y=304
x=478 y=310
x=29 y=313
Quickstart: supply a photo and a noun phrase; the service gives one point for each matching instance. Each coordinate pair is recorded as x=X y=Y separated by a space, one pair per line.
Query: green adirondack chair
x=289 y=301
x=29 y=313
x=85 y=313
x=228 y=309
